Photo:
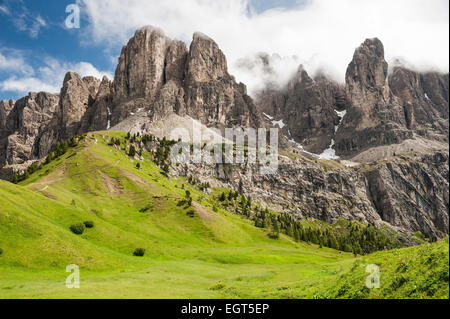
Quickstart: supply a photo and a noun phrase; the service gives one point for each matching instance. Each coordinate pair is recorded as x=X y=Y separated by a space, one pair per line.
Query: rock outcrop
x=160 y=76
x=97 y=116
x=77 y=96
x=307 y=107
x=424 y=98
x=5 y=108
x=389 y=109
x=375 y=116
x=212 y=95
x=410 y=193
x=26 y=132
x=155 y=77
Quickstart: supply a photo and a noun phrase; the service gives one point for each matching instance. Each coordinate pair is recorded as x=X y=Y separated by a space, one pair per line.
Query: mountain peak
x=373 y=46
x=206 y=62
x=367 y=75
x=149 y=29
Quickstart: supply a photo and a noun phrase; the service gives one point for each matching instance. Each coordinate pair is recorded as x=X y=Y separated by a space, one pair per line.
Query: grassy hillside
x=213 y=254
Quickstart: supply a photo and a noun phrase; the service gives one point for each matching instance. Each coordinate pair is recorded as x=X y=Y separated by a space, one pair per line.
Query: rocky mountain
x=375 y=116
x=424 y=97
x=381 y=108
x=155 y=77
x=159 y=80
x=384 y=108
x=307 y=109
x=27 y=133
x=408 y=192
x=35 y=123
x=159 y=76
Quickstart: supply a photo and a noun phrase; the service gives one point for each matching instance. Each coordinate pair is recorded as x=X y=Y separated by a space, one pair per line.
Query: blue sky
x=24 y=38
x=36 y=49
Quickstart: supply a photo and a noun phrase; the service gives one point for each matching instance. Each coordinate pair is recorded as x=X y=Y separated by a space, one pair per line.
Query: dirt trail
x=203 y=212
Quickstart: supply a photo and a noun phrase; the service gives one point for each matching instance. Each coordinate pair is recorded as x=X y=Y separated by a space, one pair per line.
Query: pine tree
x=132 y=152
x=241 y=187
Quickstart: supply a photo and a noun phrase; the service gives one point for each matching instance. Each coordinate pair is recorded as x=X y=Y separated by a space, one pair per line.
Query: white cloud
x=5 y=10
x=27 y=84
x=49 y=77
x=27 y=23
x=323 y=34
x=55 y=69
x=14 y=62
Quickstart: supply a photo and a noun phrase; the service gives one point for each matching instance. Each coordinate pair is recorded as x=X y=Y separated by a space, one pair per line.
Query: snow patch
x=330 y=152
x=268 y=116
x=108 y=126
x=341 y=117
x=280 y=123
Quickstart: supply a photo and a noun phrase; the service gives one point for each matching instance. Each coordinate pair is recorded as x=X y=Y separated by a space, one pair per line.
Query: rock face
x=98 y=115
x=34 y=124
x=26 y=135
x=212 y=95
x=161 y=76
x=409 y=193
x=387 y=109
x=413 y=194
x=140 y=74
x=367 y=76
x=307 y=107
x=381 y=108
x=5 y=109
x=375 y=116
x=77 y=95
x=425 y=100
x=155 y=77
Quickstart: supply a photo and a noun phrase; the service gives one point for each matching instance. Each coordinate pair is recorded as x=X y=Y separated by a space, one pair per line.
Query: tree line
x=348 y=236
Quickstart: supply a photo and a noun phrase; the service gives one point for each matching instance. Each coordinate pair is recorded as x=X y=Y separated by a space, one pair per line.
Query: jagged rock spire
x=367 y=75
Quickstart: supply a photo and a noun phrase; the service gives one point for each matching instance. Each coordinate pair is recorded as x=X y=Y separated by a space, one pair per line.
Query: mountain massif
x=388 y=129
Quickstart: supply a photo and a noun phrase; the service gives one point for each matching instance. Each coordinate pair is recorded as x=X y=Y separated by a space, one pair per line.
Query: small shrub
x=181 y=203
x=145 y=209
x=89 y=224
x=1 y=251
x=273 y=235
x=218 y=286
x=77 y=229
x=139 y=252
x=191 y=213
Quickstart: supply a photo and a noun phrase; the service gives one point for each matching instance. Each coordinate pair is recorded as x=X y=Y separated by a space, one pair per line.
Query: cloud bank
x=322 y=34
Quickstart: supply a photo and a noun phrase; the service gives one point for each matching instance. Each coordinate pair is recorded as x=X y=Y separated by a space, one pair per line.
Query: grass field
x=212 y=255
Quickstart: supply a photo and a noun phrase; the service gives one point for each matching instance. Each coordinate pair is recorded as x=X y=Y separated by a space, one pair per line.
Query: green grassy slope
x=213 y=255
